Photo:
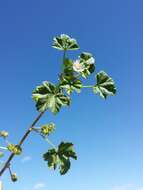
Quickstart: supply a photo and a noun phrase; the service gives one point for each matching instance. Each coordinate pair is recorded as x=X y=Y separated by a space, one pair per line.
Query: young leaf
x=67 y=67
x=70 y=83
x=105 y=85
x=65 y=42
x=49 y=96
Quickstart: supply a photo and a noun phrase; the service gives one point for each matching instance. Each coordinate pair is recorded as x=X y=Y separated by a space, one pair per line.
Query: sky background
x=108 y=135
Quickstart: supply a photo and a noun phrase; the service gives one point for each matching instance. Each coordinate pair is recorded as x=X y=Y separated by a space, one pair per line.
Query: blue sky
x=107 y=134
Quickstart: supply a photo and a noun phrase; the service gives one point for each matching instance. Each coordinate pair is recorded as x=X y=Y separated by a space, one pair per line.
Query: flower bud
x=14 y=177
x=4 y=134
x=15 y=149
x=47 y=129
x=1 y=154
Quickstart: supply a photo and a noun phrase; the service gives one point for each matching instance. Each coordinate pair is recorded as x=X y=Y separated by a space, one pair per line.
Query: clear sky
x=108 y=135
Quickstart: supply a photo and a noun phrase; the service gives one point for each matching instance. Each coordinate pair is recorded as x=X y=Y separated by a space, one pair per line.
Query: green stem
x=10 y=172
x=64 y=56
x=36 y=129
x=63 y=60
x=45 y=138
x=50 y=143
x=88 y=86
x=3 y=148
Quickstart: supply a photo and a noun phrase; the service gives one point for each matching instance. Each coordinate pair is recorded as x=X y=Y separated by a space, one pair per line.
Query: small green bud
x=4 y=134
x=14 y=177
x=47 y=129
x=1 y=154
x=15 y=149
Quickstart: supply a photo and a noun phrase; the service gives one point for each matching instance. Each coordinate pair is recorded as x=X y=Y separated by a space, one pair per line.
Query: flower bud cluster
x=47 y=129
x=14 y=149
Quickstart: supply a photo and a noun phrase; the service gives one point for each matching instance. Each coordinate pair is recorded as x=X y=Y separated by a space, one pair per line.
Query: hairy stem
x=7 y=163
x=45 y=138
x=88 y=86
x=50 y=143
x=3 y=148
x=64 y=56
x=10 y=172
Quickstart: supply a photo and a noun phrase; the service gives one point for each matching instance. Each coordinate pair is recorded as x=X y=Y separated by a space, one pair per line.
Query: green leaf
x=85 y=56
x=65 y=165
x=65 y=42
x=60 y=157
x=105 y=85
x=70 y=83
x=52 y=158
x=67 y=150
x=49 y=96
x=67 y=67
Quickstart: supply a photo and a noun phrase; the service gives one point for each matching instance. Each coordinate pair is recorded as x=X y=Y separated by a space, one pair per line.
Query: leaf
x=67 y=150
x=65 y=42
x=49 y=96
x=60 y=157
x=67 y=67
x=65 y=165
x=52 y=158
x=105 y=85
x=70 y=83
x=85 y=56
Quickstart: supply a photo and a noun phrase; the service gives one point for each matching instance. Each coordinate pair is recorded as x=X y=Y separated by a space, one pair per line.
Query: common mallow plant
x=52 y=97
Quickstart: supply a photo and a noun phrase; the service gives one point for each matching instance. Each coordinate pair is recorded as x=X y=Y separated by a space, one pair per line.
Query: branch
x=7 y=163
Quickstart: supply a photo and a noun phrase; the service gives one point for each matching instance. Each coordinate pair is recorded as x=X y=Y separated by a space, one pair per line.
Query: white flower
x=91 y=61
x=77 y=66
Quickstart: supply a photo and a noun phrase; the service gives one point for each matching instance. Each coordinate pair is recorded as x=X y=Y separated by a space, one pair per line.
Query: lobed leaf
x=70 y=84
x=49 y=96
x=65 y=42
x=60 y=157
x=105 y=85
